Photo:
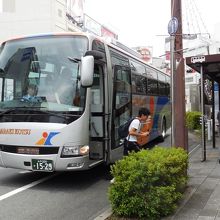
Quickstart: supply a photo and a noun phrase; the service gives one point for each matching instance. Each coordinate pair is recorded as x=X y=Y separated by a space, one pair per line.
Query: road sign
x=173 y=26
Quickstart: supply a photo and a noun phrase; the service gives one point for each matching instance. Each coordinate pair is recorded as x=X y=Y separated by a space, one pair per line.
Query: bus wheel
x=163 y=130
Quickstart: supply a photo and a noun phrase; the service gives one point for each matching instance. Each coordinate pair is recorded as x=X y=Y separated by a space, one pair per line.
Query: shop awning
x=210 y=64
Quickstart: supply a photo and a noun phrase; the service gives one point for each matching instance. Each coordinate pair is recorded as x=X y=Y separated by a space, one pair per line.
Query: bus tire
x=163 y=130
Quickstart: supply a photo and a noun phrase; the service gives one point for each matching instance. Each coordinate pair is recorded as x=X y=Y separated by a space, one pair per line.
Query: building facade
x=30 y=17
x=24 y=17
x=192 y=78
x=193 y=47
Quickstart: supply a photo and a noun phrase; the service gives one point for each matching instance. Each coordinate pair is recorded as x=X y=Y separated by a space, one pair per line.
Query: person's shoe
x=112 y=180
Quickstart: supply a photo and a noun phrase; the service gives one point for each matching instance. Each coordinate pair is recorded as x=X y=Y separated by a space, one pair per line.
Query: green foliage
x=149 y=183
x=193 y=120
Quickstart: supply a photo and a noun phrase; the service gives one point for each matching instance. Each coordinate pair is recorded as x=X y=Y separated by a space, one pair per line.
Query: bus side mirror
x=87 y=67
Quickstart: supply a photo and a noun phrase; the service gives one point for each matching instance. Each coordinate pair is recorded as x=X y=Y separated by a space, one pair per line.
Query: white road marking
x=25 y=171
x=7 y=195
x=195 y=148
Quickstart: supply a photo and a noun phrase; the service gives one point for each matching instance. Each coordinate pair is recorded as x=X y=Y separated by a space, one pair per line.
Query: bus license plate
x=42 y=165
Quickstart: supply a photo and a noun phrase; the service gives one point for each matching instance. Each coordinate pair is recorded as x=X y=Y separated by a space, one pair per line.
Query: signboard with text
x=91 y=25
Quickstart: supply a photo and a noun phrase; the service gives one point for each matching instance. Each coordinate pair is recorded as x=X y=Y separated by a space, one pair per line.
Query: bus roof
x=45 y=34
x=114 y=44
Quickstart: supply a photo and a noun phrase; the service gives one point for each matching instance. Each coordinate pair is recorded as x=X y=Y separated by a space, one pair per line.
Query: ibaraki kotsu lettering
x=15 y=131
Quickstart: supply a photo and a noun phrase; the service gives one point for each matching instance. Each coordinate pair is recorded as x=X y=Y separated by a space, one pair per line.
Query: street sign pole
x=203 y=115
x=172 y=29
x=173 y=69
x=180 y=132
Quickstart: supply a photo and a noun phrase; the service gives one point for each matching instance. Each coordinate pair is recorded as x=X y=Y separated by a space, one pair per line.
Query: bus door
x=122 y=106
x=97 y=123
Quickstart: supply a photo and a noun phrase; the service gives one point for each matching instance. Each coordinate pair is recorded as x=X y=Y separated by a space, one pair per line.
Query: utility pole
x=180 y=131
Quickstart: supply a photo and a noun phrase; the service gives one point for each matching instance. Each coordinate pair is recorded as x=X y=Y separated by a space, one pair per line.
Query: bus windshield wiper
x=37 y=109
x=7 y=111
x=61 y=115
x=73 y=59
x=14 y=109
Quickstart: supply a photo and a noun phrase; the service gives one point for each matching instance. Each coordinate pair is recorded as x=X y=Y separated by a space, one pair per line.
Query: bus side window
x=162 y=88
x=96 y=90
x=95 y=96
x=152 y=87
x=122 y=88
x=9 y=89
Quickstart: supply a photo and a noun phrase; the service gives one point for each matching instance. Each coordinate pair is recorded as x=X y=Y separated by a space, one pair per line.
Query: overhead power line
x=193 y=22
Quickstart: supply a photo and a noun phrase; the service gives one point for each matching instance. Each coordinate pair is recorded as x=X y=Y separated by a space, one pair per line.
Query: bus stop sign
x=173 y=26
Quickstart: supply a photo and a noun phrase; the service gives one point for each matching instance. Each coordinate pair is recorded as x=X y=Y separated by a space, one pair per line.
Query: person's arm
x=133 y=132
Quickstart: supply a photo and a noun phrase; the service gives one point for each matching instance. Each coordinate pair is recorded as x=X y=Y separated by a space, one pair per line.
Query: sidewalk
x=201 y=200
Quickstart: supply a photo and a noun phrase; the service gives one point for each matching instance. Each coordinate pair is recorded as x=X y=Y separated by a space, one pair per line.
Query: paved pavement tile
x=201 y=200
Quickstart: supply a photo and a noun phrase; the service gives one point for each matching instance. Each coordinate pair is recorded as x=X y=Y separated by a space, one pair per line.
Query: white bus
x=85 y=88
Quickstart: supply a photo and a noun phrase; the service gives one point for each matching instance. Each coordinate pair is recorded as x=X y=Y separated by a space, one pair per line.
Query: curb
x=104 y=215
x=184 y=201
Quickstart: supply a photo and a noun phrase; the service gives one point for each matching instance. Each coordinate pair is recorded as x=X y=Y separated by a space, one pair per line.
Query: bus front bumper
x=23 y=161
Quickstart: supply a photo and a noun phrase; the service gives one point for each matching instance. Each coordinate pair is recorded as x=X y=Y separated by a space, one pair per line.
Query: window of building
x=188 y=79
x=7 y=6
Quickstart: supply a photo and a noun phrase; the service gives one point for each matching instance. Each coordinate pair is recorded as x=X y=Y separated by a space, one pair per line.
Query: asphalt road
x=30 y=195
x=67 y=196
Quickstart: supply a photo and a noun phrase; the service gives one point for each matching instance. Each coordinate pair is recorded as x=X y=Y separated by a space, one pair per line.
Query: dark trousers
x=130 y=146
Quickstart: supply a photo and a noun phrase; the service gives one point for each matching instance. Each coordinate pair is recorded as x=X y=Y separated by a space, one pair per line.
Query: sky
x=144 y=22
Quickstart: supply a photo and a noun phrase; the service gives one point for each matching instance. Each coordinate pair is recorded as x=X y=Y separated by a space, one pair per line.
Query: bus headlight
x=75 y=150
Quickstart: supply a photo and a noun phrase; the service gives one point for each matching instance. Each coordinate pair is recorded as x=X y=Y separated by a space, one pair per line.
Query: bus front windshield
x=42 y=73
